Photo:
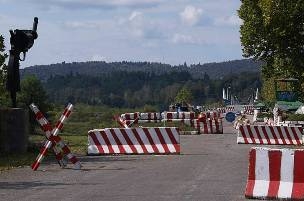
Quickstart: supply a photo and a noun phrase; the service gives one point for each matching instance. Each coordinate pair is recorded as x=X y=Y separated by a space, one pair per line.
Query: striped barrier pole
x=47 y=129
x=121 y=122
x=64 y=116
x=55 y=138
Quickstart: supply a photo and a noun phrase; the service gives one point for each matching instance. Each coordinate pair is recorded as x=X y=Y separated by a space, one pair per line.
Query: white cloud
x=232 y=20
x=187 y=39
x=181 y=38
x=83 y=25
x=142 y=27
x=98 y=4
x=97 y=57
x=135 y=15
x=191 y=15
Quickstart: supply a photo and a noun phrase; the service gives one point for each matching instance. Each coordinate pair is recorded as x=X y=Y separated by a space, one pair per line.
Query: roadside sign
x=230 y=116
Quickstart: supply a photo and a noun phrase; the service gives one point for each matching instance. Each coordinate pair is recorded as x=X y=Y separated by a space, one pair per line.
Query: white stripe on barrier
x=261 y=173
x=285 y=187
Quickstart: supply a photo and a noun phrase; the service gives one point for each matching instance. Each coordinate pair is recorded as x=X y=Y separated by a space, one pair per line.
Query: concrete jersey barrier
x=275 y=173
x=161 y=140
x=285 y=135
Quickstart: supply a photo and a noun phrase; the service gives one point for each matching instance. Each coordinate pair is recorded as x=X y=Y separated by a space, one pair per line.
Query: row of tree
x=128 y=88
x=273 y=32
x=136 y=89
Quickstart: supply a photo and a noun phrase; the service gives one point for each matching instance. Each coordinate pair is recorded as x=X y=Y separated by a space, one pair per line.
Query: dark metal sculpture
x=21 y=41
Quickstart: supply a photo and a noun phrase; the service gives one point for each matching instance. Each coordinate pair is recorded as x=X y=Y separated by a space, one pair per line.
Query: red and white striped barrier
x=209 y=126
x=248 y=109
x=213 y=114
x=130 y=116
x=150 y=116
x=178 y=115
x=53 y=138
x=229 y=109
x=163 y=140
x=221 y=110
x=252 y=134
x=275 y=174
x=123 y=123
x=189 y=122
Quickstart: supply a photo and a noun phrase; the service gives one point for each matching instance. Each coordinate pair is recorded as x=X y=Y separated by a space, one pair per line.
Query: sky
x=166 y=31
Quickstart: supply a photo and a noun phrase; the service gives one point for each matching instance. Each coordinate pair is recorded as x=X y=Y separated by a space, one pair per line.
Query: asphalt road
x=210 y=168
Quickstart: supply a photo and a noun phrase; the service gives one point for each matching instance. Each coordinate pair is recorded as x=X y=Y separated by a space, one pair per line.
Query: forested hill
x=97 y=68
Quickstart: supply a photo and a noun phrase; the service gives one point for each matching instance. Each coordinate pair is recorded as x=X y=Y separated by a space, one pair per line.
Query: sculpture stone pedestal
x=14 y=130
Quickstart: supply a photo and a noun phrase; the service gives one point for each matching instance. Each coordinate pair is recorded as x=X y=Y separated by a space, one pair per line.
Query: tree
x=3 y=56
x=32 y=92
x=184 y=96
x=273 y=32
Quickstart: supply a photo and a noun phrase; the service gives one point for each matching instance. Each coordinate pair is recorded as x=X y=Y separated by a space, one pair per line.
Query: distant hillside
x=98 y=68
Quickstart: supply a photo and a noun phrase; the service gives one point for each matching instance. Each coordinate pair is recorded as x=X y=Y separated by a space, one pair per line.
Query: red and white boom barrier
x=211 y=123
x=178 y=115
x=162 y=140
x=252 y=134
x=130 y=116
x=275 y=174
x=150 y=116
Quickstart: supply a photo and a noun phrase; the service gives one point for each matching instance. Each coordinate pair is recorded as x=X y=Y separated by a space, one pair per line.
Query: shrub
x=295 y=117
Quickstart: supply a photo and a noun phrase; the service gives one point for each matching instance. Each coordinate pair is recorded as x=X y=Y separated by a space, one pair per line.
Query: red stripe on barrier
x=251 y=173
x=154 y=147
x=295 y=135
x=298 y=178
x=281 y=134
x=46 y=127
x=275 y=172
x=250 y=133
x=205 y=126
x=39 y=115
x=73 y=159
x=120 y=146
x=66 y=149
x=129 y=142
x=258 y=134
x=287 y=134
x=265 y=134
x=173 y=140
x=59 y=156
x=55 y=139
x=244 y=134
x=66 y=113
x=35 y=165
x=162 y=140
x=59 y=125
x=96 y=142
x=141 y=143
x=107 y=141
x=169 y=116
x=274 y=134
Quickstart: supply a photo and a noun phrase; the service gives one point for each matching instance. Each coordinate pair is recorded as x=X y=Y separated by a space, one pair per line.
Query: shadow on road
x=28 y=185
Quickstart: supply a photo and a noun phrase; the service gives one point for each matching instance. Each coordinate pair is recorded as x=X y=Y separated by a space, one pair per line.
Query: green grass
x=77 y=143
x=74 y=133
